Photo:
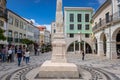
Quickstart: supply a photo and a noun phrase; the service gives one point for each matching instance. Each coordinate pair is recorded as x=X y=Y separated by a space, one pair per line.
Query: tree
x=2 y=37
x=27 y=41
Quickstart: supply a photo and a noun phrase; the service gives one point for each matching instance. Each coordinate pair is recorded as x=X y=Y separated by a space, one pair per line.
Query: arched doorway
x=103 y=39
x=71 y=47
x=118 y=43
x=78 y=46
x=104 y=44
x=88 y=48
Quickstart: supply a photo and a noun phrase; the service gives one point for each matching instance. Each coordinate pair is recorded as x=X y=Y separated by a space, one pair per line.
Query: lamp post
x=79 y=41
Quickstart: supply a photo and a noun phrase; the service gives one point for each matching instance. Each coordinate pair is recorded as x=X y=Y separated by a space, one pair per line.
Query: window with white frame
x=79 y=26
x=71 y=17
x=16 y=23
x=9 y=33
x=87 y=27
x=10 y=20
x=71 y=26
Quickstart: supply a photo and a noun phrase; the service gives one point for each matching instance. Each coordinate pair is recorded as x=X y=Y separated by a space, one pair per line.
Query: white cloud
x=101 y=1
x=48 y=26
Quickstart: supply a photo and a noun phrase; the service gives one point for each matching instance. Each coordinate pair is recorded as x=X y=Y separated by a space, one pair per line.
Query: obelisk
x=58 y=66
x=59 y=44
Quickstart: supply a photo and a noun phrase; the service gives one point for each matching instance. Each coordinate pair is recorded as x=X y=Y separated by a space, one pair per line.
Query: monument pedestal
x=58 y=70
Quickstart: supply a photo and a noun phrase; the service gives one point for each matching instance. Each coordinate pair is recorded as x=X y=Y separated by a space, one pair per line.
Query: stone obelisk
x=59 y=44
x=58 y=66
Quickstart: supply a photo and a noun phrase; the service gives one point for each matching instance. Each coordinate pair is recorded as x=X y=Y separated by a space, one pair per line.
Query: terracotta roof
x=41 y=28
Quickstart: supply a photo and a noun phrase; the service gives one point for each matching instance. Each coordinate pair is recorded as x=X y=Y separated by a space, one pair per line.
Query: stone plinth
x=59 y=48
x=58 y=70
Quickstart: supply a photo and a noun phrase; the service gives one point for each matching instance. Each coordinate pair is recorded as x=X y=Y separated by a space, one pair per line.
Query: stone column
x=111 y=50
x=100 y=48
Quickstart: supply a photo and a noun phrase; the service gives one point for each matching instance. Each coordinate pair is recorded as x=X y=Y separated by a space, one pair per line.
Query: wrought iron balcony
x=3 y=13
x=107 y=21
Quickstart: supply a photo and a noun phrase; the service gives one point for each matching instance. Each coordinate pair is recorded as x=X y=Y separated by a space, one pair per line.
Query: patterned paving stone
x=92 y=61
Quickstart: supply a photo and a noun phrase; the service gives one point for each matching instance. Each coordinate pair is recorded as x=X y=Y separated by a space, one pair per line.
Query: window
x=21 y=24
x=107 y=17
x=71 y=35
x=86 y=17
x=71 y=17
x=9 y=33
x=54 y=31
x=10 y=20
x=71 y=26
x=16 y=22
x=1 y=23
x=100 y=22
x=79 y=17
x=87 y=35
x=24 y=26
x=79 y=26
x=20 y=35
x=119 y=10
x=16 y=35
x=87 y=27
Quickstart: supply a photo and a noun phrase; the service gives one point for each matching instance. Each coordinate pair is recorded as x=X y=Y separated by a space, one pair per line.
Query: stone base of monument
x=58 y=70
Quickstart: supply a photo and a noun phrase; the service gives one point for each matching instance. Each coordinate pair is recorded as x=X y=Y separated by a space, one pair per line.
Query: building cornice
x=101 y=8
x=78 y=8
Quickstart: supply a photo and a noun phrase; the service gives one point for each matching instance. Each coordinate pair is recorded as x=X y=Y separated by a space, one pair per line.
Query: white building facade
x=106 y=28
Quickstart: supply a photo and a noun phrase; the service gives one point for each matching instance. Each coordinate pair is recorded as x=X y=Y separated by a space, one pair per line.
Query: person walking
x=10 y=54
x=27 y=56
x=19 y=56
x=3 y=54
x=83 y=55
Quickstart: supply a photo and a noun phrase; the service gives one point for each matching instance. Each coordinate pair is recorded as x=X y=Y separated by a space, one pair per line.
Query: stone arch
x=103 y=39
x=116 y=38
x=72 y=41
x=114 y=34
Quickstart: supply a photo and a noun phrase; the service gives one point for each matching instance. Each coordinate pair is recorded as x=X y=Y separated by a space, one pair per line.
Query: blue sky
x=42 y=12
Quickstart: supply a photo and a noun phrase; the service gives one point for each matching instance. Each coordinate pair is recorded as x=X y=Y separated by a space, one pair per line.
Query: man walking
x=19 y=56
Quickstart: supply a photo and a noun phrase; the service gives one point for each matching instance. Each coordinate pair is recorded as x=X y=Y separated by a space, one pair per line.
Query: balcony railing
x=107 y=21
x=3 y=13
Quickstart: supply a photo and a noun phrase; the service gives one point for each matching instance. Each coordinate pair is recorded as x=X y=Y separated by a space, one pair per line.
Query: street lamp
x=79 y=41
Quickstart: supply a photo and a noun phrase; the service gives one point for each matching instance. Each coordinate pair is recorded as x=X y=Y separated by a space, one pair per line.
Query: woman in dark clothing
x=83 y=55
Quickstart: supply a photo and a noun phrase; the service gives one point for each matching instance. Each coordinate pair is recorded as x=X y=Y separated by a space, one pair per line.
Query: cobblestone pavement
x=112 y=66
